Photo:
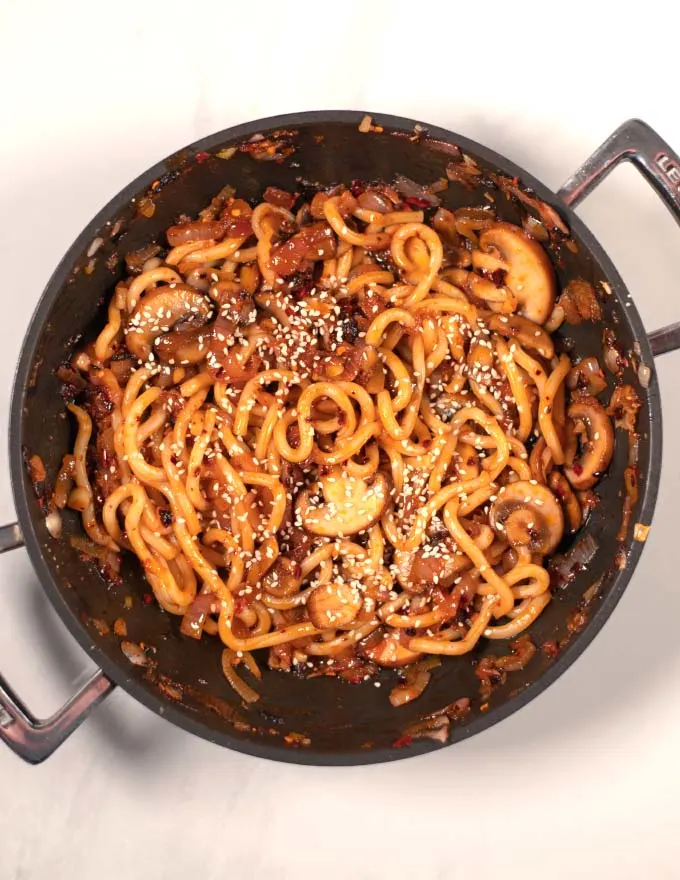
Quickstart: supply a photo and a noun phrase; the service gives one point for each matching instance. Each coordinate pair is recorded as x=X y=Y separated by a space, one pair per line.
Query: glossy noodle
x=314 y=430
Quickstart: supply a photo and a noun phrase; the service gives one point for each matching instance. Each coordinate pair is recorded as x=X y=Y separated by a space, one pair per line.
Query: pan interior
x=339 y=722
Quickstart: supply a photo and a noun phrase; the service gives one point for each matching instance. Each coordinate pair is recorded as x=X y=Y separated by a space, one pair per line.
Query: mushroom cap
x=528 y=514
x=333 y=605
x=528 y=271
x=182 y=346
x=350 y=504
x=160 y=311
x=598 y=450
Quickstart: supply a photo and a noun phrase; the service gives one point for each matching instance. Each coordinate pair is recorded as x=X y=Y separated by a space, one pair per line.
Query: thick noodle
x=315 y=434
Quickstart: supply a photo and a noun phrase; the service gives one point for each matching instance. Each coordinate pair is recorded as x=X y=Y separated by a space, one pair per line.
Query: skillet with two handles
x=338 y=723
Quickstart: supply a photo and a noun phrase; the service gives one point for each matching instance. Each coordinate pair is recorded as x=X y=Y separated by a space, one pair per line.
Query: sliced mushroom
x=587 y=375
x=183 y=346
x=529 y=515
x=528 y=271
x=330 y=606
x=350 y=504
x=526 y=332
x=160 y=311
x=389 y=651
x=596 y=434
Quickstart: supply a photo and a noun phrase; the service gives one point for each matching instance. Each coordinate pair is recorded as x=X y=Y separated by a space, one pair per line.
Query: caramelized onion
x=315 y=242
x=370 y=200
x=196 y=614
x=279 y=197
x=245 y=692
x=536 y=229
x=624 y=407
x=89 y=548
x=587 y=376
x=566 y=566
x=198 y=231
x=579 y=302
x=136 y=260
x=416 y=680
x=134 y=653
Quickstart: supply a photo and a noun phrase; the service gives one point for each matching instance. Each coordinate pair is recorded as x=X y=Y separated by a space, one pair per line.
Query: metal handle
x=635 y=142
x=31 y=738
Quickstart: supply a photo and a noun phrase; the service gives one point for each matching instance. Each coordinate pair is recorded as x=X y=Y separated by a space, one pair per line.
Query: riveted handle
x=31 y=738
x=635 y=142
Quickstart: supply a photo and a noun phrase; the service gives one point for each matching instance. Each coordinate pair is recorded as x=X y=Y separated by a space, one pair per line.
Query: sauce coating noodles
x=333 y=433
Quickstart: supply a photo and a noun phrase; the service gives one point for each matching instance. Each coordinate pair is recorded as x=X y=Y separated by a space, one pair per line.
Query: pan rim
x=165 y=708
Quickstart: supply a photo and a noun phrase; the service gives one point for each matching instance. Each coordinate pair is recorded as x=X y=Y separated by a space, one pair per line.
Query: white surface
x=585 y=780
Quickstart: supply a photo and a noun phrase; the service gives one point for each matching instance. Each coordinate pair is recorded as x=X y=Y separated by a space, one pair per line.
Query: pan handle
x=31 y=738
x=635 y=142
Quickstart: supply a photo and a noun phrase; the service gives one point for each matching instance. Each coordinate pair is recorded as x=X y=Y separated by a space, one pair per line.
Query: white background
x=584 y=781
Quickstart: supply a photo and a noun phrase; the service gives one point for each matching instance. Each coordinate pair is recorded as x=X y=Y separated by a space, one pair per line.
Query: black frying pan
x=322 y=721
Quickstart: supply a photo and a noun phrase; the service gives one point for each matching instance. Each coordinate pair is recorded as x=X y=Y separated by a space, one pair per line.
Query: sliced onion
x=475 y=215
x=89 y=548
x=589 y=371
x=54 y=524
x=134 y=653
x=94 y=247
x=375 y=201
x=536 y=229
x=251 y=663
x=245 y=692
x=611 y=359
x=566 y=566
x=437 y=729
x=196 y=614
x=438 y=186
x=152 y=263
x=417 y=679
x=412 y=190
x=644 y=375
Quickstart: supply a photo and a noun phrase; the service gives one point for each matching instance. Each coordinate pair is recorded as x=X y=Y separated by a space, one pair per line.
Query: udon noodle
x=343 y=434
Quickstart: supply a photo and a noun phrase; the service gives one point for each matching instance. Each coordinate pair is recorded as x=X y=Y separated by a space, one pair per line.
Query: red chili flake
x=578 y=469
x=354 y=679
x=201 y=157
x=402 y=741
x=300 y=285
x=357 y=187
x=551 y=649
x=414 y=202
x=147 y=599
